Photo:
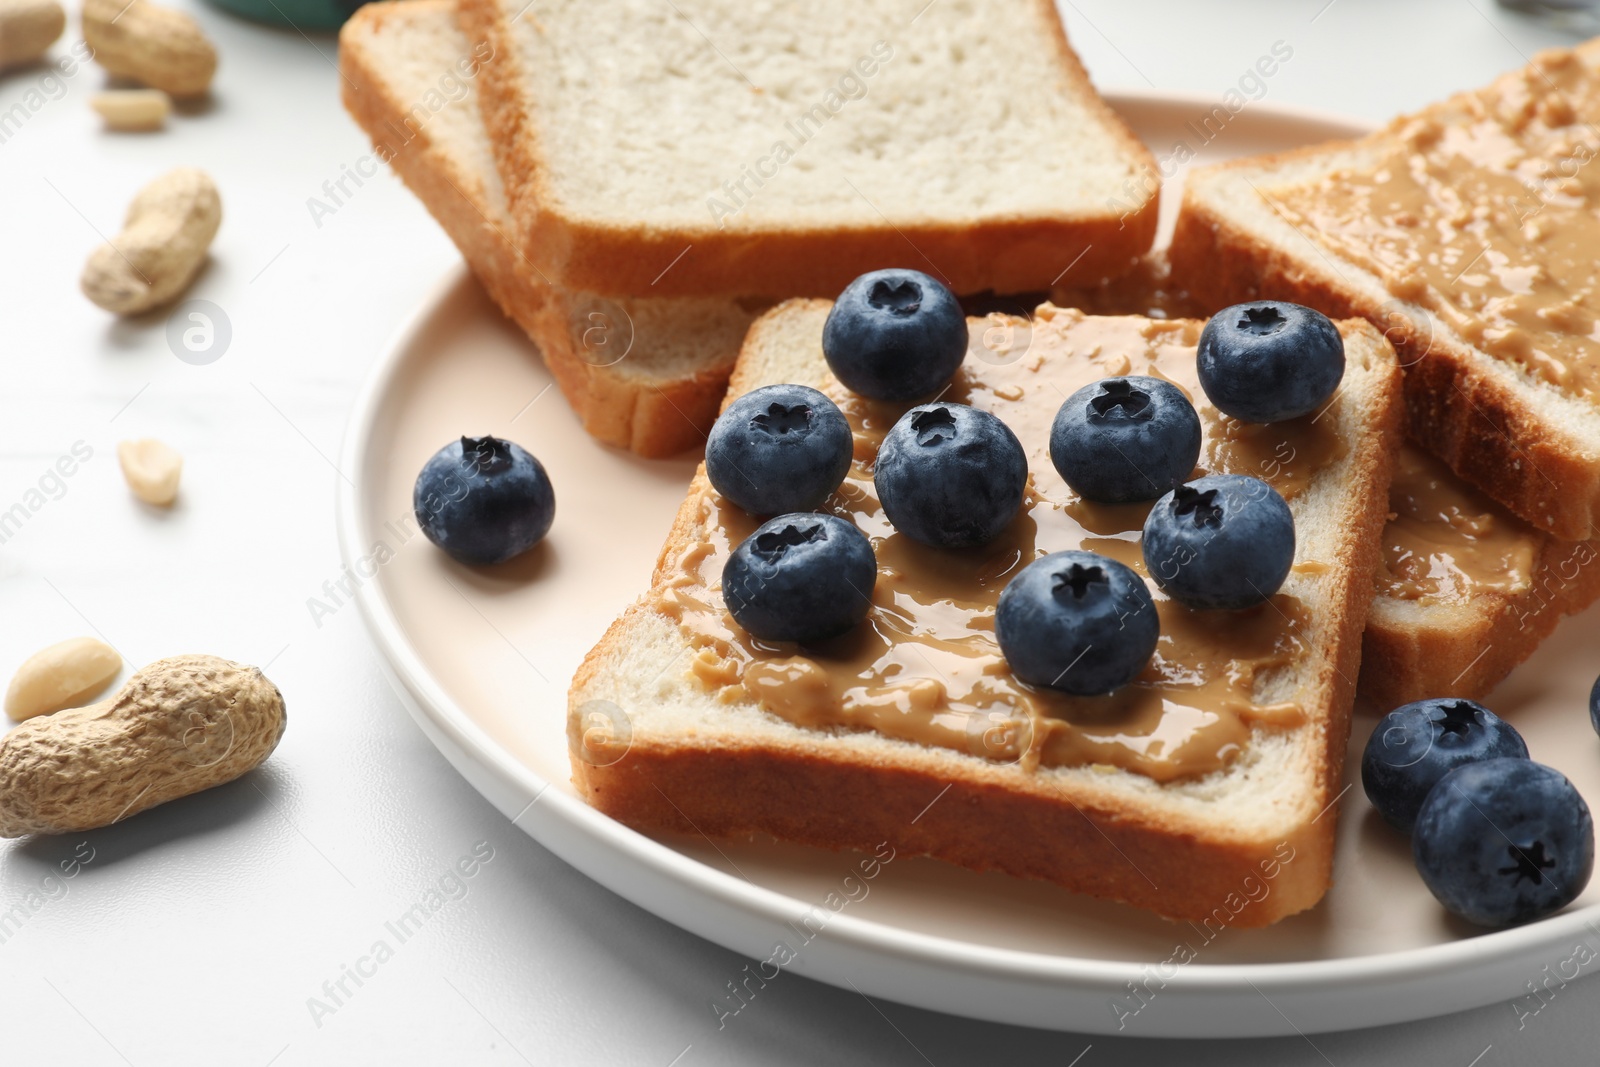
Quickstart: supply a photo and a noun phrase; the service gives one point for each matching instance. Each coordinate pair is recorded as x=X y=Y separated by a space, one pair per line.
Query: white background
x=197 y=933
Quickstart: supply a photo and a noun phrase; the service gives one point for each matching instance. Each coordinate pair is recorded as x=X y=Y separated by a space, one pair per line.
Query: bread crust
x=818 y=800
x=651 y=417
x=1484 y=427
x=1071 y=831
x=1465 y=649
x=779 y=261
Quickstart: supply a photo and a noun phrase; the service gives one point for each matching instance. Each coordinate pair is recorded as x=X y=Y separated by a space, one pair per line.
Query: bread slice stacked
x=711 y=757
x=708 y=146
x=605 y=115
x=1465 y=590
x=644 y=373
x=1528 y=442
x=1527 y=445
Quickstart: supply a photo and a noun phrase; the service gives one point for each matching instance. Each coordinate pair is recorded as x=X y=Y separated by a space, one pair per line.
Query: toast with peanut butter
x=1465 y=590
x=643 y=373
x=1467 y=232
x=1218 y=767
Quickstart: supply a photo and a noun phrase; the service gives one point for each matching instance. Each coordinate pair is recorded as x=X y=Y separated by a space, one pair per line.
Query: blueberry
x=1223 y=541
x=779 y=448
x=803 y=577
x=1268 y=361
x=1078 y=622
x=950 y=475
x=1414 y=746
x=483 y=500
x=1594 y=706
x=1504 y=841
x=1119 y=440
x=895 y=335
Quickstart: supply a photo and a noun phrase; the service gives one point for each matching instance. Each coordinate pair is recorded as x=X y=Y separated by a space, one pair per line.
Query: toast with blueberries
x=1466 y=232
x=1036 y=604
x=711 y=147
x=644 y=373
x=1465 y=590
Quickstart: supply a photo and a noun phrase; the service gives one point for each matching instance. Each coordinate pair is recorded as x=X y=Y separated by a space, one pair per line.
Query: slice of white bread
x=706 y=147
x=1466 y=590
x=1527 y=443
x=657 y=747
x=645 y=373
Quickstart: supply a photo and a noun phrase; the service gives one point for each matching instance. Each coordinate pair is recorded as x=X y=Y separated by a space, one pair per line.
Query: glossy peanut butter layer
x=925 y=665
x=1447 y=541
x=1487 y=212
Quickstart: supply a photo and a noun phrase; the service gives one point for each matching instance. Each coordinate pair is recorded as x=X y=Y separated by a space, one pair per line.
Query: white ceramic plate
x=483 y=661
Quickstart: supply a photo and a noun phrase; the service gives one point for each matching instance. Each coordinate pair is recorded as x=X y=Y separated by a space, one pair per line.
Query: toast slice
x=1443 y=228
x=675 y=723
x=708 y=147
x=1466 y=590
x=645 y=373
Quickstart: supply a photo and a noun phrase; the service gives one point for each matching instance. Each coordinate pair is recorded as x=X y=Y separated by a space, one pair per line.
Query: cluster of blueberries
x=954 y=476
x=1498 y=838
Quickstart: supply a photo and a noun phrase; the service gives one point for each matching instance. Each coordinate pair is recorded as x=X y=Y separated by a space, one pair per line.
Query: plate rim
x=424 y=697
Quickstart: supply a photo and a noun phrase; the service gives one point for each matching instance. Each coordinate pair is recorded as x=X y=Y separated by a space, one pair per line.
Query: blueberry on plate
x=950 y=475
x=779 y=448
x=483 y=500
x=1078 y=622
x=1268 y=361
x=1504 y=841
x=895 y=335
x=1417 y=744
x=803 y=577
x=1223 y=541
x=1119 y=440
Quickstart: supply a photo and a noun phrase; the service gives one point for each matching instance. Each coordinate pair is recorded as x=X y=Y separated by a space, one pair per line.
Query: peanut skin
x=163 y=242
x=178 y=726
x=155 y=46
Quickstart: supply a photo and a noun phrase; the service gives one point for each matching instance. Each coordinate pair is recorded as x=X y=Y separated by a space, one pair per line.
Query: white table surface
x=198 y=933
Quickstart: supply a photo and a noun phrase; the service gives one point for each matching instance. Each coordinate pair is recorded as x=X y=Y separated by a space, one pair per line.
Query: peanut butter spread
x=1447 y=541
x=1486 y=211
x=925 y=665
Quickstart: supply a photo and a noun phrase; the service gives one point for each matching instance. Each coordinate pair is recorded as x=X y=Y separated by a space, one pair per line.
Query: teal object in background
x=300 y=14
